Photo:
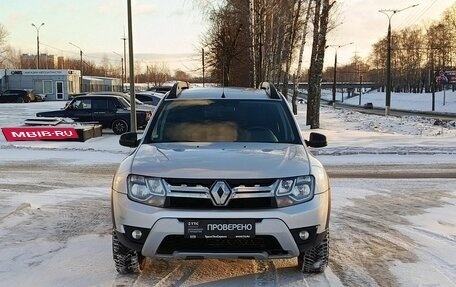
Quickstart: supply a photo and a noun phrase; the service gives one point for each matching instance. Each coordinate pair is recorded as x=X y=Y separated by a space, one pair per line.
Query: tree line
x=251 y=41
x=255 y=40
x=418 y=53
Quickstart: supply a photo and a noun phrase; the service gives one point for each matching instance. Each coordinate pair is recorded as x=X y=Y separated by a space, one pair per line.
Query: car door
x=81 y=110
x=9 y=97
x=103 y=111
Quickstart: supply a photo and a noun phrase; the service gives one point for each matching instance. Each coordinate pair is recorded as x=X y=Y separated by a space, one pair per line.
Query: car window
x=155 y=100
x=99 y=104
x=142 y=98
x=114 y=104
x=81 y=104
x=223 y=121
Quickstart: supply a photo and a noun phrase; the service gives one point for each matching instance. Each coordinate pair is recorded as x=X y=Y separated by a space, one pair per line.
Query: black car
x=17 y=96
x=149 y=98
x=111 y=111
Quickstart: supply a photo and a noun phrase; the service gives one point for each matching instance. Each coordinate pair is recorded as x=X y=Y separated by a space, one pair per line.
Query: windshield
x=223 y=120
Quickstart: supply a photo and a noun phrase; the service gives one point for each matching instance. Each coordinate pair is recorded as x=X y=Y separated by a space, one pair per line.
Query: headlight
x=146 y=190
x=291 y=191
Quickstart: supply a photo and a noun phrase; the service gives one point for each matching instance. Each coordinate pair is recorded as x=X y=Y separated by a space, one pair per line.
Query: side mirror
x=129 y=139
x=316 y=140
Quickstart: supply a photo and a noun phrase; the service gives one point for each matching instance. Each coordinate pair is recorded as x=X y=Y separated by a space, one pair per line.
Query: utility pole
x=122 y=68
x=432 y=78
x=252 y=44
x=133 y=123
x=148 y=79
x=336 y=47
x=202 y=57
x=124 y=39
x=38 y=44
x=360 y=86
x=81 y=67
x=390 y=14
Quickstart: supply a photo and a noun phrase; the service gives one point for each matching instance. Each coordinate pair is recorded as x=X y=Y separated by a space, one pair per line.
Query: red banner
x=39 y=133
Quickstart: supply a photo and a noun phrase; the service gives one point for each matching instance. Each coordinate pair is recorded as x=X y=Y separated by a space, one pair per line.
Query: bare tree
x=320 y=25
x=227 y=54
x=301 y=52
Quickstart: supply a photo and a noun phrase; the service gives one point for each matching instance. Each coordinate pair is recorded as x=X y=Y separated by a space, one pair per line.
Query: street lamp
x=37 y=44
x=124 y=39
x=81 y=66
x=390 y=14
x=335 y=71
x=122 y=67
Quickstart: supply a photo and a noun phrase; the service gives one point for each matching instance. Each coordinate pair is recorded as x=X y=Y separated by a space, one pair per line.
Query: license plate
x=219 y=228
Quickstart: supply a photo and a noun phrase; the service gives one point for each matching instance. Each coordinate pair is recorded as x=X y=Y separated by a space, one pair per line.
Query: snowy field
x=393 y=216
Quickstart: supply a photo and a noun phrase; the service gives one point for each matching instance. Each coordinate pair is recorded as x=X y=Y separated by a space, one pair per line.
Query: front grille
x=197 y=203
x=245 y=193
x=261 y=243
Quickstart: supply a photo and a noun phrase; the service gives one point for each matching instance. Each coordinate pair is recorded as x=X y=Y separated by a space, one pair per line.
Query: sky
x=176 y=26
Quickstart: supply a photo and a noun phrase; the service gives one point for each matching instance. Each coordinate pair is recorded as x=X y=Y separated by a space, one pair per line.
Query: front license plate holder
x=219 y=228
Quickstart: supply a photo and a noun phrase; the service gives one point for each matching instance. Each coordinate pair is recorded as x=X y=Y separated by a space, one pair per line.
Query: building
x=46 y=61
x=101 y=84
x=55 y=84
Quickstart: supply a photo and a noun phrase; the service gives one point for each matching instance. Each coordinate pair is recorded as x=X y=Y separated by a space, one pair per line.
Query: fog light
x=136 y=234
x=304 y=235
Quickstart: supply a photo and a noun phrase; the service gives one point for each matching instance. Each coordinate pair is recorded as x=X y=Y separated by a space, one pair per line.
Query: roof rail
x=177 y=89
x=271 y=90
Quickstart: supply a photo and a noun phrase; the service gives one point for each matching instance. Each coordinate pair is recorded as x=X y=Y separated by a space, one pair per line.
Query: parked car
x=221 y=173
x=124 y=95
x=40 y=97
x=111 y=111
x=160 y=89
x=149 y=98
x=17 y=96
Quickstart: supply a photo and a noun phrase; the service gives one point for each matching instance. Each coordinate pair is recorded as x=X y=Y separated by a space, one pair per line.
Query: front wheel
x=315 y=259
x=126 y=260
x=119 y=127
x=20 y=100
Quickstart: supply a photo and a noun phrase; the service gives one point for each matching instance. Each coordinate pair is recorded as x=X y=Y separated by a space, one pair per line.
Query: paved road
x=399 y=113
x=391 y=171
x=59 y=219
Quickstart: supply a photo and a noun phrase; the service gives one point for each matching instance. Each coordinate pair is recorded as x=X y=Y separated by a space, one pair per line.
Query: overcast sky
x=176 y=26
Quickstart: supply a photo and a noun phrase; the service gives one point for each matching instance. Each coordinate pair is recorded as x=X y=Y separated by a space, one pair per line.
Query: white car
x=221 y=173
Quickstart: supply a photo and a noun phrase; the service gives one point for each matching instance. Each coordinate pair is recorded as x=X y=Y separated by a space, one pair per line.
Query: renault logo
x=220 y=193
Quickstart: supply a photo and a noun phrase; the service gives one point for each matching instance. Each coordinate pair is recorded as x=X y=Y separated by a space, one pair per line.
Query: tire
x=119 y=127
x=126 y=260
x=315 y=259
x=20 y=100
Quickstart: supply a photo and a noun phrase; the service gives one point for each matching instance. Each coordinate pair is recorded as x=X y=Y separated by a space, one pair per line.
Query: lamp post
x=133 y=122
x=124 y=39
x=38 y=44
x=122 y=68
x=390 y=14
x=81 y=66
x=336 y=47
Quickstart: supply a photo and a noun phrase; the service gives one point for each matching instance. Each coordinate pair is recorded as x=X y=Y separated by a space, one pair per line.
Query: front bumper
x=276 y=230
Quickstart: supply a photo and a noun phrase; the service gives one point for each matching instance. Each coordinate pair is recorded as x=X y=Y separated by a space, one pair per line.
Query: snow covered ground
x=393 y=221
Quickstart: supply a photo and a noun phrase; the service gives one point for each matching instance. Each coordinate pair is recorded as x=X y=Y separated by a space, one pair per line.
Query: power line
x=413 y=18
x=77 y=53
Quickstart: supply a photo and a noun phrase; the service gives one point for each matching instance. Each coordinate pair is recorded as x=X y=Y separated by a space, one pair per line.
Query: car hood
x=220 y=160
x=56 y=113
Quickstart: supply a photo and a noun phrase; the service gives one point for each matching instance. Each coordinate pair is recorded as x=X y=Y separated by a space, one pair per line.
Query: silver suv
x=221 y=173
